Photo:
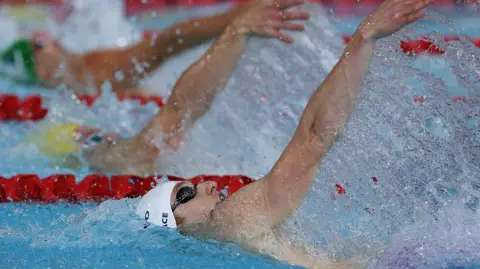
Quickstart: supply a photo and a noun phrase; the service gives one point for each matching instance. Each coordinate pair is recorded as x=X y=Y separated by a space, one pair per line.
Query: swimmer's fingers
x=410 y=7
x=290 y=15
x=272 y=32
x=82 y=133
x=416 y=16
x=410 y=16
x=287 y=26
x=284 y=4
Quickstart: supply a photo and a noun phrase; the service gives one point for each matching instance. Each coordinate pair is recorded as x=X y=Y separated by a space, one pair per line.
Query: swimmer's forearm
x=191 y=96
x=197 y=87
x=185 y=35
x=135 y=62
x=128 y=156
x=336 y=97
x=200 y=83
x=319 y=126
x=198 y=30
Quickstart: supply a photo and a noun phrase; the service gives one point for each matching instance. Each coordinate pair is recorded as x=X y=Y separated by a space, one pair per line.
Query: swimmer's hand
x=391 y=16
x=114 y=154
x=268 y=17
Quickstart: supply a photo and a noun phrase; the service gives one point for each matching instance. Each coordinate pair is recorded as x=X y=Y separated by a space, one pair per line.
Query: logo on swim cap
x=146 y=224
x=164 y=219
x=156 y=205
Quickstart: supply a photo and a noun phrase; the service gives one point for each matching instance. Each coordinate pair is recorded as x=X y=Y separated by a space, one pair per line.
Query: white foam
x=95 y=24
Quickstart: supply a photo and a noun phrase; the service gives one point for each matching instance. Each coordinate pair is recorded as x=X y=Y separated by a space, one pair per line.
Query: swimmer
x=47 y=63
x=190 y=99
x=250 y=217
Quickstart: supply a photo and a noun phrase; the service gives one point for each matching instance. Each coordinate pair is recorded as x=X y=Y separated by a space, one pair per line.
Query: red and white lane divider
x=97 y=188
x=30 y=108
x=14 y=108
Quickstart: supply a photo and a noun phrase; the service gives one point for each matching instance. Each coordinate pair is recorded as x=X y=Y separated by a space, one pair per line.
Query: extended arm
x=282 y=191
x=193 y=92
x=140 y=59
x=196 y=89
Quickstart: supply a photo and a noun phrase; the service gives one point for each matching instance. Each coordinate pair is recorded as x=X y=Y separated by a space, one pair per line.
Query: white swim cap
x=155 y=206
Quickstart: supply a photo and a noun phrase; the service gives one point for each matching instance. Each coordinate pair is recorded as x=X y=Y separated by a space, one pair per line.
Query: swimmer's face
x=194 y=203
x=48 y=58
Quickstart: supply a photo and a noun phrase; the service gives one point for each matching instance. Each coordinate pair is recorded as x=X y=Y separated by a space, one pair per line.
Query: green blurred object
x=17 y=62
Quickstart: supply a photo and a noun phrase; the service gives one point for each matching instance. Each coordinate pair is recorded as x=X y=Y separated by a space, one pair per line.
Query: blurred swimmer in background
x=44 y=62
x=190 y=99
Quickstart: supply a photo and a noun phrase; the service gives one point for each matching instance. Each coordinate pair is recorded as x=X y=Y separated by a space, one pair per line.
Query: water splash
x=423 y=157
x=451 y=242
x=252 y=120
x=103 y=22
x=403 y=165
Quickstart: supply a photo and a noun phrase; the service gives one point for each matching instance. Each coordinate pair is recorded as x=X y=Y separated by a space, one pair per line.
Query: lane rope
x=96 y=187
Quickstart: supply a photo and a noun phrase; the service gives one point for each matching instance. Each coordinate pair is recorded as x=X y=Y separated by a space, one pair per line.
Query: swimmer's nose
x=211 y=187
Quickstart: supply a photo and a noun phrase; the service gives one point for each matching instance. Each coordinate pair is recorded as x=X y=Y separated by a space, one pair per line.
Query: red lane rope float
x=90 y=99
x=419 y=46
x=463 y=99
x=13 y=108
x=96 y=188
x=416 y=47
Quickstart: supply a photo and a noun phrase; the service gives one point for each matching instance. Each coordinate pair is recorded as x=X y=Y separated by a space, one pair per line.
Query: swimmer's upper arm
x=171 y=123
x=286 y=185
x=266 y=203
x=290 y=179
x=197 y=87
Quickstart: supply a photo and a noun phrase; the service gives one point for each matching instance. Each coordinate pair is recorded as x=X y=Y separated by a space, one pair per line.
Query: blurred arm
x=137 y=61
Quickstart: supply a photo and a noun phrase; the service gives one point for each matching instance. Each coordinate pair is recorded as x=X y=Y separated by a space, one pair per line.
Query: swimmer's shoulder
x=241 y=217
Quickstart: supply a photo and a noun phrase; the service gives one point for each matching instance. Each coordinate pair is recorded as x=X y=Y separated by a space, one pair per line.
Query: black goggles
x=184 y=194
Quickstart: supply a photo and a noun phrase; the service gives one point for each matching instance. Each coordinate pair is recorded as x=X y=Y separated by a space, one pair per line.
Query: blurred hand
x=113 y=154
x=86 y=132
x=268 y=17
x=391 y=16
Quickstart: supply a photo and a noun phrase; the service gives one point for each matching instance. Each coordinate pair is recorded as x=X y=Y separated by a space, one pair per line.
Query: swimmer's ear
x=179 y=221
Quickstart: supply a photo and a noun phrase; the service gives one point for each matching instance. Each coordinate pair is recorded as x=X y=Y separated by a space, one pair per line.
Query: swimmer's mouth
x=222 y=196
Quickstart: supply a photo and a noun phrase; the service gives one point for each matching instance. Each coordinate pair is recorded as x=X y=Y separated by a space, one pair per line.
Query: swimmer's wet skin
x=250 y=216
x=32 y=61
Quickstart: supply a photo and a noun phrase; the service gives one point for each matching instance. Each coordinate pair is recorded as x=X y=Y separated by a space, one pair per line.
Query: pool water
x=420 y=212
x=109 y=236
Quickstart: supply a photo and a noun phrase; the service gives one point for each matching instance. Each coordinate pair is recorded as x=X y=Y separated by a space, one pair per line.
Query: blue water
x=59 y=236
x=111 y=236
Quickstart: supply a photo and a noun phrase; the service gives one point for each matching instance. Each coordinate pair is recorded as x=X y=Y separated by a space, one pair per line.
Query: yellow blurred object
x=55 y=140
